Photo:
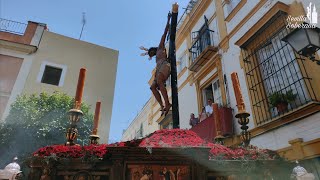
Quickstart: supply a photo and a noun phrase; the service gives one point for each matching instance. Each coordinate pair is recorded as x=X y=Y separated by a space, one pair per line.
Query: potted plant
x=280 y=100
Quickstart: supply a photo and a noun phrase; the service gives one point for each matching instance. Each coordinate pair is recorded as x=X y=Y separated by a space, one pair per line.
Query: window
x=213 y=92
x=279 y=74
x=182 y=62
x=230 y=5
x=277 y=80
x=51 y=73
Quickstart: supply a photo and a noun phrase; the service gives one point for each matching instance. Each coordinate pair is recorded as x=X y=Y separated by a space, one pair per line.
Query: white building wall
x=187 y=104
x=231 y=63
x=142 y=118
x=307 y=129
x=181 y=50
x=214 y=26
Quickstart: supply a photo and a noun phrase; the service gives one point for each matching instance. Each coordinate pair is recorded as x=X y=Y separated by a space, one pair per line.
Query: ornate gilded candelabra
x=243 y=120
x=242 y=115
x=75 y=114
x=94 y=137
x=72 y=132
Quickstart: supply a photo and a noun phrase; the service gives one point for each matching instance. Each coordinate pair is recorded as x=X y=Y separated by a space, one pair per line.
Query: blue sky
x=123 y=25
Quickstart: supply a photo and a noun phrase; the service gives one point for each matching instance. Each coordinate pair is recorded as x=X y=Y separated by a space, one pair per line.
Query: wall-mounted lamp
x=305 y=41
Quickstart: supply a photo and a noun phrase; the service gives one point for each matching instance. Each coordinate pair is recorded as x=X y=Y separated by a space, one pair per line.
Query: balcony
x=20 y=36
x=12 y=26
x=202 y=49
x=186 y=12
x=206 y=129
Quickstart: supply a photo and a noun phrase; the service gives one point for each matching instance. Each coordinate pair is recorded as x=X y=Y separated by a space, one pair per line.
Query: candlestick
x=80 y=86
x=96 y=118
x=237 y=92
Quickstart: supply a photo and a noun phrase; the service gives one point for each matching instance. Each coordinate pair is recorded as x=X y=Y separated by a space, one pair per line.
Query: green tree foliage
x=35 y=121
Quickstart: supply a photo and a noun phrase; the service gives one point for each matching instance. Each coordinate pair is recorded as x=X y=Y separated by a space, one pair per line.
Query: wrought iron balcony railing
x=202 y=48
x=12 y=26
x=201 y=40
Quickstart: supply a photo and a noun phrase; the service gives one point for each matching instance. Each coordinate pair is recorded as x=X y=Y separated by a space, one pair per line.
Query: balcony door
x=213 y=92
x=204 y=38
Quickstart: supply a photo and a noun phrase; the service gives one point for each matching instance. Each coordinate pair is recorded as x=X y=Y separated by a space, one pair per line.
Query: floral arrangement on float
x=178 y=138
x=167 y=138
x=89 y=152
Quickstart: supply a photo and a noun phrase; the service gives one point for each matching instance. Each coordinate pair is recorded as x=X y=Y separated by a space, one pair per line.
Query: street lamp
x=305 y=41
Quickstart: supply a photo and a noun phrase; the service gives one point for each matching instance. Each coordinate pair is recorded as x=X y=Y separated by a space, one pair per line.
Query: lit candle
x=96 y=118
x=237 y=91
x=80 y=86
x=216 y=115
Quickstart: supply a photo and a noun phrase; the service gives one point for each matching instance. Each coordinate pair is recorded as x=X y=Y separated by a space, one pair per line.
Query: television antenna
x=83 y=23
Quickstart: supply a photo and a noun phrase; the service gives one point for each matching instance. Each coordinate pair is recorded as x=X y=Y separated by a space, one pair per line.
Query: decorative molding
x=265 y=18
x=207 y=67
x=24 y=48
x=224 y=44
x=235 y=10
x=298 y=114
x=182 y=72
x=246 y=18
x=301 y=150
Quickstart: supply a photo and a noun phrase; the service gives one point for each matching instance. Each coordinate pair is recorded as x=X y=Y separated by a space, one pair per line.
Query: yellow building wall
x=101 y=65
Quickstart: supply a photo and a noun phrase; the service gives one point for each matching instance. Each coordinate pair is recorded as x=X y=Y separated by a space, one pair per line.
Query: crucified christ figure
x=163 y=71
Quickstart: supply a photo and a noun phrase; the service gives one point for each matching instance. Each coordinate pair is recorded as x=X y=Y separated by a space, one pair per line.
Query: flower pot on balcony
x=281 y=100
x=282 y=107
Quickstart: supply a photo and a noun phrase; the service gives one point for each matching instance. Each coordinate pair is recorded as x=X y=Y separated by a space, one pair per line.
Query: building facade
x=34 y=60
x=218 y=37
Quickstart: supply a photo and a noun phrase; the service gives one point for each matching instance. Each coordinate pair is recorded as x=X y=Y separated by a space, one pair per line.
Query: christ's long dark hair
x=152 y=49
x=156 y=49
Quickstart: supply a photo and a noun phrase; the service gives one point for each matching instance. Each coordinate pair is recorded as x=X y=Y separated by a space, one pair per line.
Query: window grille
x=273 y=68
